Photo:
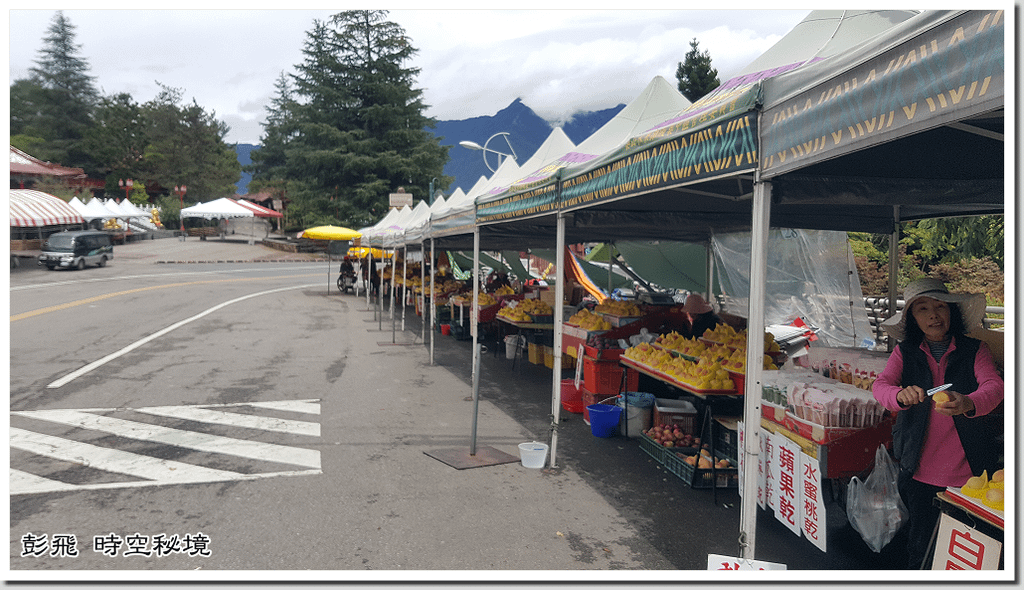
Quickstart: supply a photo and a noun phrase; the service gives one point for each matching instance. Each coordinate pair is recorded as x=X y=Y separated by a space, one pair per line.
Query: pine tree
x=68 y=95
x=695 y=75
x=355 y=130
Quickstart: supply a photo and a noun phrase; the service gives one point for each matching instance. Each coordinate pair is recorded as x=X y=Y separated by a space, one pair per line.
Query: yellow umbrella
x=363 y=252
x=330 y=232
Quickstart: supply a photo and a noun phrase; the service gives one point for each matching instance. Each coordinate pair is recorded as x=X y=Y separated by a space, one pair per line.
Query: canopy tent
x=97 y=210
x=29 y=208
x=703 y=170
x=222 y=208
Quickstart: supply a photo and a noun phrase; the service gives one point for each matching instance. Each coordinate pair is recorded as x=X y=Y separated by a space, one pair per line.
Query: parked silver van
x=76 y=249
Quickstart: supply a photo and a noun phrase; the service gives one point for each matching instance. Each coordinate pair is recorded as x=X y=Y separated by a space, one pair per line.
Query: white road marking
x=26 y=483
x=96 y=364
x=181 y=438
x=112 y=459
x=232 y=419
x=311 y=406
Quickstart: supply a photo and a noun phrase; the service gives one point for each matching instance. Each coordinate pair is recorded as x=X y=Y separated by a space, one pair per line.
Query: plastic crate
x=698 y=478
x=605 y=377
x=674 y=463
x=652 y=448
x=726 y=437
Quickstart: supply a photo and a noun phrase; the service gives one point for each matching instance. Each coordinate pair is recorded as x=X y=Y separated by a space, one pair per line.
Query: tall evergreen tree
x=185 y=145
x=68 y=95
x=356 y=130
x=695 y=75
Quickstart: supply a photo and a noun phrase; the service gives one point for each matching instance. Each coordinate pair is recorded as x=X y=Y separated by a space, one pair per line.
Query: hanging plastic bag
x=873 y=506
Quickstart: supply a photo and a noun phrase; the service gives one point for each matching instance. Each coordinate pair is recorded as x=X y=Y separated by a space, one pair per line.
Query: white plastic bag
x=873 y=506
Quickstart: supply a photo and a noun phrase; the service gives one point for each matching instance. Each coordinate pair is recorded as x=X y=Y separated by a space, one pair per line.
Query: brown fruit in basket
x=704 y=463
x=691 y=460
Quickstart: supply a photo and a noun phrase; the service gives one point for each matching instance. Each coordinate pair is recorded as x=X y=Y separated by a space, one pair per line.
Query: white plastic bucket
x=533 y=454
x=511 y=343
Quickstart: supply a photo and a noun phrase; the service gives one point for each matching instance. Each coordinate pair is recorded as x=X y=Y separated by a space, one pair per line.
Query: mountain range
x=527 y=131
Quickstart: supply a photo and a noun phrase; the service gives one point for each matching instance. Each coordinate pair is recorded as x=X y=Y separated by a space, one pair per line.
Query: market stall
x=703 y=167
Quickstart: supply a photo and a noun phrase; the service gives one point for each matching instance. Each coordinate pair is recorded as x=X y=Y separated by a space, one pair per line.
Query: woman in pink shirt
x=939 y=444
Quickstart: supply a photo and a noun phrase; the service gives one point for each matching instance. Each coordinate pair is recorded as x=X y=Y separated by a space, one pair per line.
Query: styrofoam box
x=674 y=411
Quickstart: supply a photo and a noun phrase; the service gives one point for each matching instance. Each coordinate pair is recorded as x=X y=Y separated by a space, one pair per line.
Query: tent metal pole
x=557 y=314
x=423 y=291
x=473 y=330
x=894 y=266
x=380 y=288
x=405 y=282
x=433 y=304
x=755 y=355
x=710 y=295
x=610 y=246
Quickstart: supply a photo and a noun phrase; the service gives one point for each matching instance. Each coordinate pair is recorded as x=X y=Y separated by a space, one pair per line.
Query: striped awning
x=258 y=210
x=30 y=208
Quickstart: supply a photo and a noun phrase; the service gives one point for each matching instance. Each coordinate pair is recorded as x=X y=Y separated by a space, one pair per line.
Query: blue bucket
x=604 y=419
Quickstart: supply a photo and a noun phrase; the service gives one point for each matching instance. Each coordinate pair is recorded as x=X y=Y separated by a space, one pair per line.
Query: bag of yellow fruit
x=993 y=498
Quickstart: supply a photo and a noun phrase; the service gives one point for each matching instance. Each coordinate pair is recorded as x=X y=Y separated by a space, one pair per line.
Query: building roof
x=22 y=163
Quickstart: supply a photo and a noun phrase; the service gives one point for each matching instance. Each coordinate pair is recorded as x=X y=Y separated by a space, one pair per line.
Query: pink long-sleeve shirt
x=943 y=462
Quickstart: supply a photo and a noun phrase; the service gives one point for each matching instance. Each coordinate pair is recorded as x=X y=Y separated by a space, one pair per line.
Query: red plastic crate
x=605 y=377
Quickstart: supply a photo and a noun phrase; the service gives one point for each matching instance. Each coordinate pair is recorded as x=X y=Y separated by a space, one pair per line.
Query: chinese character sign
x=724 y=562
x=789 y=506
x=813 y=522
x=959 y=547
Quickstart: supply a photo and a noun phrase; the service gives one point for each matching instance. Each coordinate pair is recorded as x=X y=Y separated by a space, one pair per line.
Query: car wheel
x=102 y=262
x=50 y=267
x=81 y=264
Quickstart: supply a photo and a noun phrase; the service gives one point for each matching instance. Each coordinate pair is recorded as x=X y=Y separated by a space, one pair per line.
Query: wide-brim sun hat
x=695 y=304
x=972 y=305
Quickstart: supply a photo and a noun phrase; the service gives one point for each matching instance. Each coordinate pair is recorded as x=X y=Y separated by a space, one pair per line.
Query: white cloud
x=473 y=62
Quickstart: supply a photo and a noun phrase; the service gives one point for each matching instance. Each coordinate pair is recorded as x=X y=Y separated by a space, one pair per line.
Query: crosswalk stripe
x=182 y=438
x=304 y=406
x=26 y=483
x=107 y=459
x=232 y=419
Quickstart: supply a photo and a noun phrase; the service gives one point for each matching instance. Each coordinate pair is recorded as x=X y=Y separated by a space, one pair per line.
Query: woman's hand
x=957 y=404
x=911 y=395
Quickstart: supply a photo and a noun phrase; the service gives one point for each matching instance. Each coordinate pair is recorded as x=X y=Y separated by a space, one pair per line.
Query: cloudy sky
x=472 y=62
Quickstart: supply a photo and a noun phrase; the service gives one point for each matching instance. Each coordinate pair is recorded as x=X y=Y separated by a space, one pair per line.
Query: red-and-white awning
x=258 y=210
x=34 y=209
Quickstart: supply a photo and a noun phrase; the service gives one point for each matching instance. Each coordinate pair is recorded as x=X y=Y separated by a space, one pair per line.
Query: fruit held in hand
x=941 y=397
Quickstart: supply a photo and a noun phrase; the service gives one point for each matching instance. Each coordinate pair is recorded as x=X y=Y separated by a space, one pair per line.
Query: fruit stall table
x=840 y=457
x=504 y=323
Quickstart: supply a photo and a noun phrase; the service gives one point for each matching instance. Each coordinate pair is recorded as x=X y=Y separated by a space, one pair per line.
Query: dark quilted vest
x=977 y=435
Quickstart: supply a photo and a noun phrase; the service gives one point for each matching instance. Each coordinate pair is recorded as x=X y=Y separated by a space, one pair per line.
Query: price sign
x=724 y=562
x=579 y=366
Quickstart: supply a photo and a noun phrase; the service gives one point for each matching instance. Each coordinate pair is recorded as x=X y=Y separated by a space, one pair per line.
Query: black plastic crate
x=706 y=478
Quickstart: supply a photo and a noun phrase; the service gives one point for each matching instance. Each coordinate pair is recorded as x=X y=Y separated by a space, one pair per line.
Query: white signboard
x=789 y=484
x=787 y=462
x=812 y=512
x=399 y=200
x=724 y=562
x=959 y=547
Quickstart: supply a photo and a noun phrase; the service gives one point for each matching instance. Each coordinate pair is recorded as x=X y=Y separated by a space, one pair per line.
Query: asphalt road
x=198 y=389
